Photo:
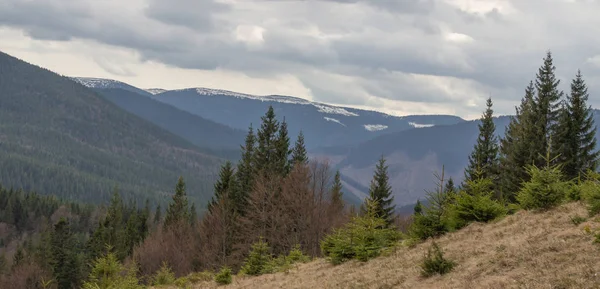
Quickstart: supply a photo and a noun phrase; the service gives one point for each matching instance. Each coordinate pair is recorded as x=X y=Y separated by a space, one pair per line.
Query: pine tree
x=337 y=201
x=193 y=215
x=418 y=210
x=575 y=139
x=546 y=110
x=450 y=187
x=224 y=185
x=299 y=155
x=266 y=152
x=381 y=192
x=516 y=151
x=283 y=150
x=178 y=210
x=157 y=214
x=245 y=174
x=63 y=259
x=484 y=156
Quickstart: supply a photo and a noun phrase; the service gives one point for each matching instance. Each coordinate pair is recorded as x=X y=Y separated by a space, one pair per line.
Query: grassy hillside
x=525 y=250
x=59 y=137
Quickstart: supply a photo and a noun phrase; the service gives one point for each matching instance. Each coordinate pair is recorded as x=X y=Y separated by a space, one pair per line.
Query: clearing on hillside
x=524 y=250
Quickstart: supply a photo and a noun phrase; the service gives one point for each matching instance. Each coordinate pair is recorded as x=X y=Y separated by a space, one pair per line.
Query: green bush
x=545 y=189
x=362 y=238
x=259 y=261
x=577 y=220
x=296 y=255
x=476 y=204
x=224 y=276
x=590 y=193
x=435 y=263
x=108 y=273
x=164 y=276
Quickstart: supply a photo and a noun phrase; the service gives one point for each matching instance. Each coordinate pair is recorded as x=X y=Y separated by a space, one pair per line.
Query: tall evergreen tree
x=450 y=188
x=265 y=155
x=484 y=156
x=336 y=194
x=575 y=139
x=245 y=174
x=381 y=192
x=282 y=150
x=224 y=185
x=299 y=155
x=516 y=151
x=178 y=210
x=546 y=110
x=63 y=259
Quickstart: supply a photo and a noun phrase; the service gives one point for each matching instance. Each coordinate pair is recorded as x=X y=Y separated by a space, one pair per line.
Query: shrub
x=107 y=273
x=476 y=204
x=590 y=192
x=545 y=189
x=259 y=261
x=577 y=220
x=296 y=256
x=164 y=276
x=362 y=239
x=435 y=263
x=224 y=276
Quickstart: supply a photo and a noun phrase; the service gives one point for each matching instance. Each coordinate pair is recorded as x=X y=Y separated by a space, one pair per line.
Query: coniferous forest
x=276 y=206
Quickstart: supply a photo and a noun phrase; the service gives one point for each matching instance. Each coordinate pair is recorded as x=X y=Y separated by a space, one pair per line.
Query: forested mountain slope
x=58 y=136
x=206 y=134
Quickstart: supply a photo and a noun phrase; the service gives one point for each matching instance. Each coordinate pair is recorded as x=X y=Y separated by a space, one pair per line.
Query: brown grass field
x=524 y=250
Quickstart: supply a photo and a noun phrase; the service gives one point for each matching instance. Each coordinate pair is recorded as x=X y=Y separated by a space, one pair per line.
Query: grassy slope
x=525 y=250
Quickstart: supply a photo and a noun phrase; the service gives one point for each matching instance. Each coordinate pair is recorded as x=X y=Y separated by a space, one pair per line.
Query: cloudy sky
x=397 y=56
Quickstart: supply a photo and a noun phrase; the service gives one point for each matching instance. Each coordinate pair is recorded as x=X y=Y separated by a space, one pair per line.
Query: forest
x=276 y=207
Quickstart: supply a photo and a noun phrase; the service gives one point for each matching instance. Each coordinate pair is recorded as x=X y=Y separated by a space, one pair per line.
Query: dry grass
x=525 y=250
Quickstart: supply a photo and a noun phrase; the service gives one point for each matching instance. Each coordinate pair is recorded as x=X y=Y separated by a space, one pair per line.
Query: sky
x=396 y=56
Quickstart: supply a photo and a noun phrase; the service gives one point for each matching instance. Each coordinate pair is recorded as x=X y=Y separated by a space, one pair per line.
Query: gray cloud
x=366 y=53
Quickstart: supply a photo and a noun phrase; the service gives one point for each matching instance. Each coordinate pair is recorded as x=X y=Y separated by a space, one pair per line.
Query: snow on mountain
x=418 y=125
x=155 y=91
x=97 y=82
x=375 y=127
x=333 y=120
x=324 y=108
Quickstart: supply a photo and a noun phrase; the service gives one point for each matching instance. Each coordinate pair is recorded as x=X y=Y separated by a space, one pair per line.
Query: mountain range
x=64 y=135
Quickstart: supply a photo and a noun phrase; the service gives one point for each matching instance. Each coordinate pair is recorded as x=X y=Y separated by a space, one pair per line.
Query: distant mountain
x=413 y=157
x=109 y=83
x=322 y=124
x=217 y=138
x=155 y=90
x=59 y=137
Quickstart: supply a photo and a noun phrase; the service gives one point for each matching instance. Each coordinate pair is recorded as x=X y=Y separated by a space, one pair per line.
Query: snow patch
x=155 y=91
x=418 y=125
x=97 y=82
x=333 y=119
x=375 y=127
x=333 y=110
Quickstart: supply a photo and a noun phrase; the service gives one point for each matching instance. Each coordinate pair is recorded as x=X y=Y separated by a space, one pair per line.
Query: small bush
x=362 y=239
x=224 y=276
x=164 y=276
x=577 y=220
x=108 y=273
x=545 y=189
x=198 y=277
x=435 y=263
x=590 y=192
x=476 y=204
x=296 y=255
x=259 y=261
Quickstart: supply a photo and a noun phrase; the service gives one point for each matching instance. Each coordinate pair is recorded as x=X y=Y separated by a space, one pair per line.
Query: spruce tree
x=516 y=151
x=337 y=201
x=178 y=210
x=265 y=155
x=245 y=174
x=450 y=187
x=282 y=150
x=224 y=185
x=381 y=192
x=63 y=259
x=546 y=110
x=299 y=155
x=575 y=139
x=484 y=156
